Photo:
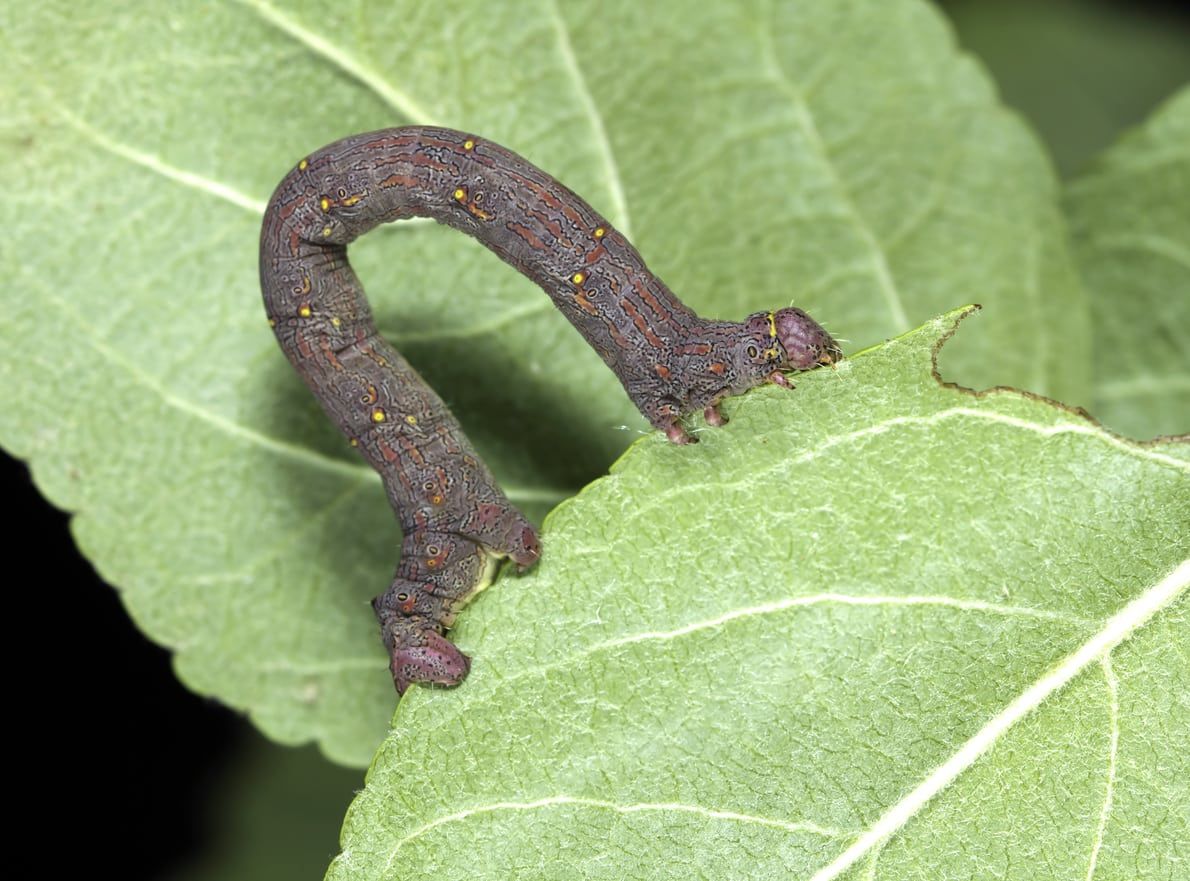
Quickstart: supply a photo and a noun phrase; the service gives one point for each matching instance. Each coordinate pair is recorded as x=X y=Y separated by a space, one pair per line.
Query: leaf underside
x=1130 y=219
x=844 y=157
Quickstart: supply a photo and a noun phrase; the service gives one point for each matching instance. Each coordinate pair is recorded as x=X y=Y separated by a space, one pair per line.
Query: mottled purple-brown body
x=456 y=521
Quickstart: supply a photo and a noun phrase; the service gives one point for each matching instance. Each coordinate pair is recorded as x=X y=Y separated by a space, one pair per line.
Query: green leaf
x=1130 y=217
x=1081 y=71
x=845 y=157
x=879 y=622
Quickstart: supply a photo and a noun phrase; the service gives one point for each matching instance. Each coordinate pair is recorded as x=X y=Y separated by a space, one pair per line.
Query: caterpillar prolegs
x=457 y=523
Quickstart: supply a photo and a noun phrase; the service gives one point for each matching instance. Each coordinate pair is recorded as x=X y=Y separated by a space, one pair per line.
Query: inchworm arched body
x=457 y=523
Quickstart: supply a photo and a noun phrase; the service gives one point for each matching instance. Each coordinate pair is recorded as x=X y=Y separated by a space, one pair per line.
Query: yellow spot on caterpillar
x=303 y=165
x=432 y=563
x=578 y=278
x=468 y=144
x=335 y=321
x=773 y=325
x=460 y=194
x=600 y=232
x=354 y=442
x=771 y=353
x=411 y=419
x=436 y=500
x=272 y=322
x=326 y=231
x=378 y=415
x=325 y=203
x=352 y=200
x=304 y=311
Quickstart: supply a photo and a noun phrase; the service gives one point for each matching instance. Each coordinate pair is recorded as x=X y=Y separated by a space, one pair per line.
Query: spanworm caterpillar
x=457 y=523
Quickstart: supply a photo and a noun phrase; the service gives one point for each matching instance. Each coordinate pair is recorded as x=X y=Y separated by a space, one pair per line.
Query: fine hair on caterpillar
x=457 y=523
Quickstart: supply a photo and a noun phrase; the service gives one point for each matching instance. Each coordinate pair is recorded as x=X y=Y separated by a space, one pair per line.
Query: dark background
x=146 y=779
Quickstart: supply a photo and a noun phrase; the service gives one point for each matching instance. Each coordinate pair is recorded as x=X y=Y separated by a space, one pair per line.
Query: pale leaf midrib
x=1116 y=630
x=395 y=98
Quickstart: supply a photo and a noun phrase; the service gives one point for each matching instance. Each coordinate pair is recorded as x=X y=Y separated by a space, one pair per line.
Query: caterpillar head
x=523 y=545
x=787 y=339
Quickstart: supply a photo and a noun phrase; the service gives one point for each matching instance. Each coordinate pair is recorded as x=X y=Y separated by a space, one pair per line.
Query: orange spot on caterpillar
x=585 y=304
x=398 y=180
x=661 y=370
x=717 y=367
x=386 y=450
x=641 y=324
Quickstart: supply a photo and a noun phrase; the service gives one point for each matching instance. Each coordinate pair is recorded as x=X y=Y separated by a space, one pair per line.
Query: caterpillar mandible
x=457 y=523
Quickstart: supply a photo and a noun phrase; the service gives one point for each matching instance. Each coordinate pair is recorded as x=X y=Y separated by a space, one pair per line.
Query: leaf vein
x=840 y=599
x=251 y=436
x=1146 y=243
x=1113 y=708
x=1142 y=386
x=395 y=98
x=882 y=427
x=786 y=604
x=159 y=166
x=809 y=126
x=1116 y=630
x=601 y=804
x=587 y=100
